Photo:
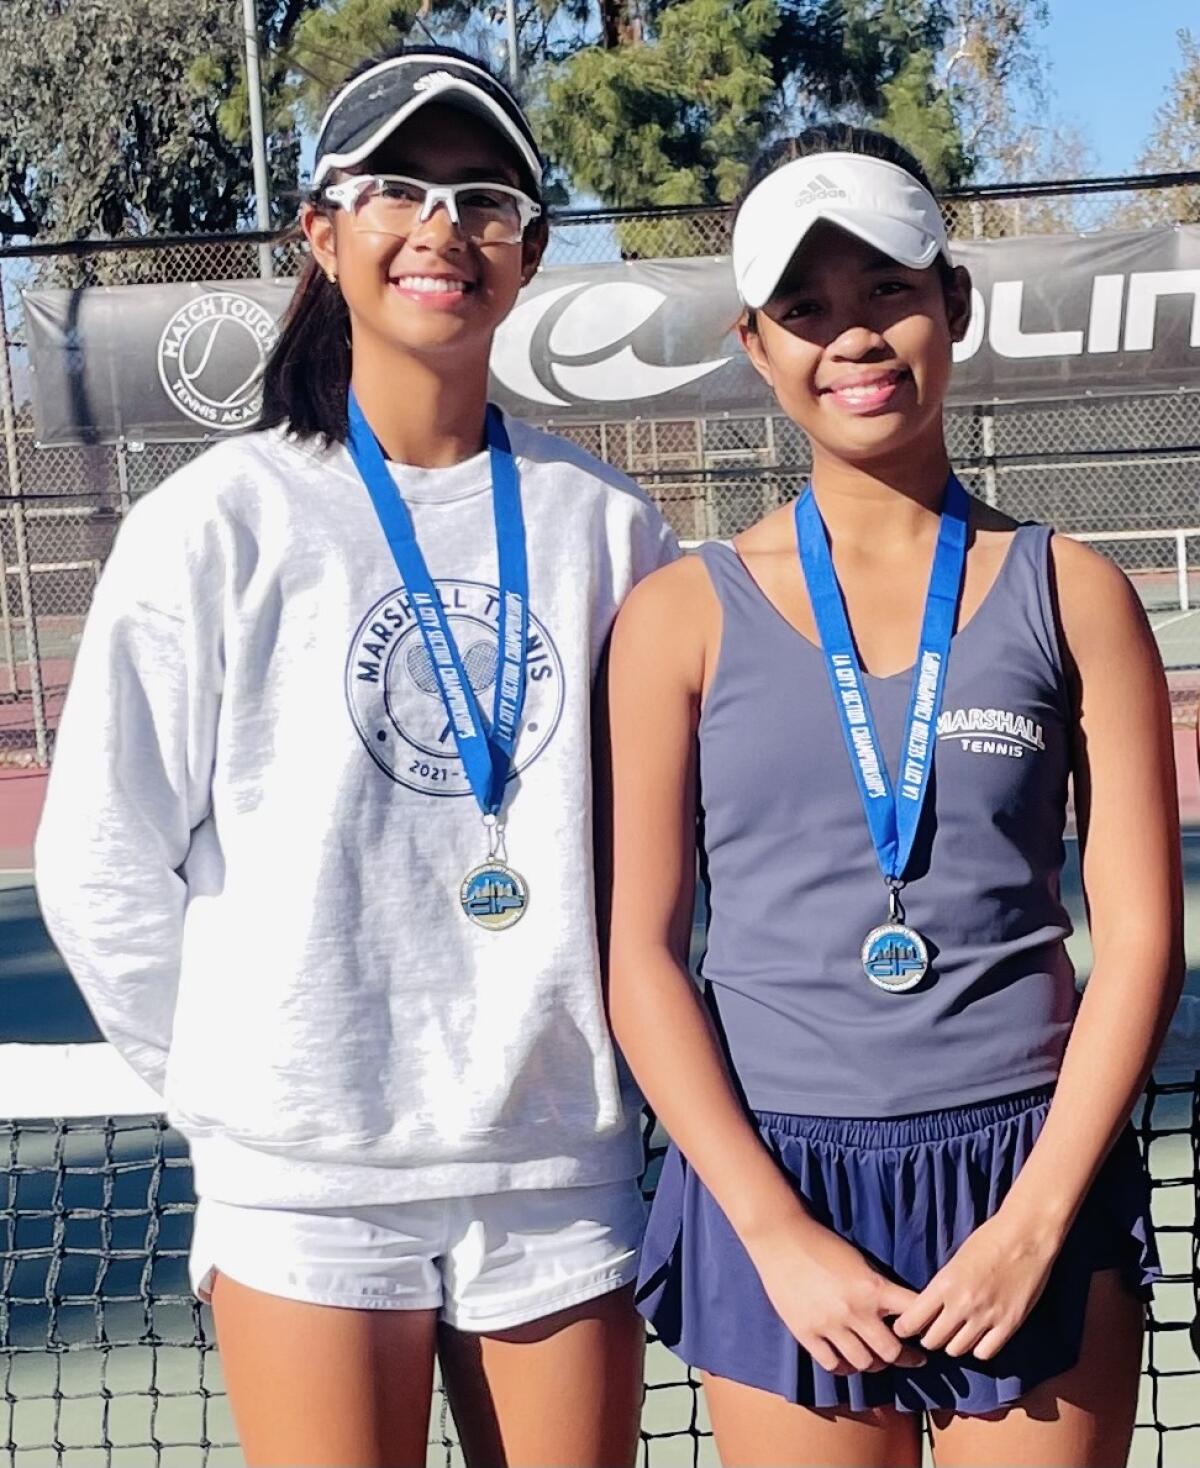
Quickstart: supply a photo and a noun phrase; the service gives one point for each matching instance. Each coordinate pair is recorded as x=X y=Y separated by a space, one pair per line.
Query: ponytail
x=307 y=376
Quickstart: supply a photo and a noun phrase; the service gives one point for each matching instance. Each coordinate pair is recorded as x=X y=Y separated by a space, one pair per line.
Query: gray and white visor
x=367 y=110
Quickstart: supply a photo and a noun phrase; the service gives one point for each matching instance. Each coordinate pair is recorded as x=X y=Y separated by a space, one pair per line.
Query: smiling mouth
x=866 y=395
x=434 y=288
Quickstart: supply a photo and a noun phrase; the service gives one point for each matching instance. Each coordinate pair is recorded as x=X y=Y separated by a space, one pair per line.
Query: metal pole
x=6 y=628
x=987 y=424
x=1181 y=570
x=123 y=477
x=21 y=545
x=510 y=27
x=258 y=140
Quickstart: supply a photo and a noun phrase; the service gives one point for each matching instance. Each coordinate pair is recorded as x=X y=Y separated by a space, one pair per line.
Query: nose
x=438 y=232
x=856 y=343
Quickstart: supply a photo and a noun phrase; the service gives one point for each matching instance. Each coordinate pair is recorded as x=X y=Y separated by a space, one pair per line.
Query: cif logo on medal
x=895 y=957
x=494 y=896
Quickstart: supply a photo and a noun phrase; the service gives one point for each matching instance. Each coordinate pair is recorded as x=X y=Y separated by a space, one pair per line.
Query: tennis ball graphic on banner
x=211 y=356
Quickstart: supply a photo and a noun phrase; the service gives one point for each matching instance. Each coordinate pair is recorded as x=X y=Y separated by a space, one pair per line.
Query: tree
x=108 y=129
x=307 y=61
x=989 y=65
x=1174 y=145
x=328 y=41
x=681 y=94
x=672 y=122
x=132 y=116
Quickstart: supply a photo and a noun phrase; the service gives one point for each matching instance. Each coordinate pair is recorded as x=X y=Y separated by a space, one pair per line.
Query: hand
x=977 y=1301
x=832 y=1301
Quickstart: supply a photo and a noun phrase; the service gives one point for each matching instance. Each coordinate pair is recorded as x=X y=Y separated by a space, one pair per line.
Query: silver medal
x=493 y=895
x=894 y=956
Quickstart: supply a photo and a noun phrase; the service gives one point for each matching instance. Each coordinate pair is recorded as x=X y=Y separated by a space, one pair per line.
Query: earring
x=331 y=277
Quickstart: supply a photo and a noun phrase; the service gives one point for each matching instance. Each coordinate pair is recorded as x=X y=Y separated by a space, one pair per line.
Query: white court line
x=1157 y=627
x=71 y=1080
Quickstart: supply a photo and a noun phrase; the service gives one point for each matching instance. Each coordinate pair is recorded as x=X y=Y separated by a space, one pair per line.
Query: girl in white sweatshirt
x=318 y=841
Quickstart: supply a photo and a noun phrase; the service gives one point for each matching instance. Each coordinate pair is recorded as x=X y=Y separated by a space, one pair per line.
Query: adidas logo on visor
x=822 y=187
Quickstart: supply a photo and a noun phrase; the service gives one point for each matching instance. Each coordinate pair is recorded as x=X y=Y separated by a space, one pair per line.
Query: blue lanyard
x=892 y=815
x=486 y=755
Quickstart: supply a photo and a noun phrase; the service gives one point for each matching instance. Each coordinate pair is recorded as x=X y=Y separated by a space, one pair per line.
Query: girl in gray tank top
x=901 y=1178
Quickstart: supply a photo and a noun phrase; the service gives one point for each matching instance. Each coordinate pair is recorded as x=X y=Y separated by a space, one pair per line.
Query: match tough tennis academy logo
x=211 y=356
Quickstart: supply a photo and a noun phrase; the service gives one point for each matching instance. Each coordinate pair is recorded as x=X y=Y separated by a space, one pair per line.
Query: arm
x=822 y=1287
x=130 y=782
x=1127 y=809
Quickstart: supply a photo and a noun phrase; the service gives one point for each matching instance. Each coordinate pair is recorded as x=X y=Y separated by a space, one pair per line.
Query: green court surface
x=1178 y=636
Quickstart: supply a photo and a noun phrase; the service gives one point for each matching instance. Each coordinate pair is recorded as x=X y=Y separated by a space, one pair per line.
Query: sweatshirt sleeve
x=654 y=542
x=130 y=782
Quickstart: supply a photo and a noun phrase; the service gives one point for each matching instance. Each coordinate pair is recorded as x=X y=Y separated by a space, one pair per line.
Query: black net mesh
x=107 y=1359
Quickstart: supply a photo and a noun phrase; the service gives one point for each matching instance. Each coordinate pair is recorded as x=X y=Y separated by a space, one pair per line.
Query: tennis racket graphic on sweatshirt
x=393 y=697
x=479 y=661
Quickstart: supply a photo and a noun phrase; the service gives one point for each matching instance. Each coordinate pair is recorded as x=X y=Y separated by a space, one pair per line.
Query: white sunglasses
x=388 y=203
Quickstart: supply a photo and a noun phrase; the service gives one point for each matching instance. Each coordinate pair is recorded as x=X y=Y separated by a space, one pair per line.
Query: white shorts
x=484 y=1263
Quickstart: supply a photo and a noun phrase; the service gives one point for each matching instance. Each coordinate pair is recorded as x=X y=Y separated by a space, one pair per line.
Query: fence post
x=262 y=182
x=1181 y=570
x=6 y=628
x=21 y=544
x=123 y=475
x=987 y=425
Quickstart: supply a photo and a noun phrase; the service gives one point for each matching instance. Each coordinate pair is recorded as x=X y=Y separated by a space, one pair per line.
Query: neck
x=867 y=501
x=421 y=414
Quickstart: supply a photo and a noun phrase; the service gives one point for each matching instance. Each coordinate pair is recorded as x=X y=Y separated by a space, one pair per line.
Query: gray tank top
x=794 y=886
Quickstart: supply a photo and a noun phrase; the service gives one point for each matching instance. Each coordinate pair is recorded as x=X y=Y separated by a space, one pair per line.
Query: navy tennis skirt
x=907 y=1192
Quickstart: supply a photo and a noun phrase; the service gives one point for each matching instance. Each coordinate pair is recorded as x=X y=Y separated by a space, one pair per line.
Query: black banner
x=1054 y=317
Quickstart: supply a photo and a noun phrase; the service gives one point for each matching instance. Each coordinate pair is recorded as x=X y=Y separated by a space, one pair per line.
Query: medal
x=492 y=894
x=894 y=955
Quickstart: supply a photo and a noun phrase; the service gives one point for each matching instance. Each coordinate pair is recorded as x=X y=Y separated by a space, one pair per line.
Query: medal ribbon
x=486 y=753
x=893 y=815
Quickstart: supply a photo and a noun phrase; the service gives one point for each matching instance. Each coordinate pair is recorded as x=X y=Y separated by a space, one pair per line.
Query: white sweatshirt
x=257 y=826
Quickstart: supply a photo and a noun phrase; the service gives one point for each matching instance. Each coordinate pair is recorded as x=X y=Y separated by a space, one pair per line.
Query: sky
x=1111 y=62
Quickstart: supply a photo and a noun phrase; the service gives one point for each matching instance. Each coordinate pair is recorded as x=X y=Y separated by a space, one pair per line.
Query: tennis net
x=107 y=1359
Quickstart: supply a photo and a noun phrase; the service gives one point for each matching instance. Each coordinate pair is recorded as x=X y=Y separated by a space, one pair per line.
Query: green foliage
x=131 y=116
x=102 y=131
x=920 y=114
x=861 y=46
x=331 y=41
x=673 y=122
x=676 y=114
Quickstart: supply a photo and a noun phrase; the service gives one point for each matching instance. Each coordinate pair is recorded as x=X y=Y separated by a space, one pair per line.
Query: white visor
x=875 y=201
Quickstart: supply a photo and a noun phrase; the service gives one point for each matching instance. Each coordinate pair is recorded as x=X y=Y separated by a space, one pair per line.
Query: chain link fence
x=1124 y=472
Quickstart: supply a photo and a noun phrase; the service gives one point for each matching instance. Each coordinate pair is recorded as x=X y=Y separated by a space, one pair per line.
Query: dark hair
x=307 y=375
x=837 y=137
